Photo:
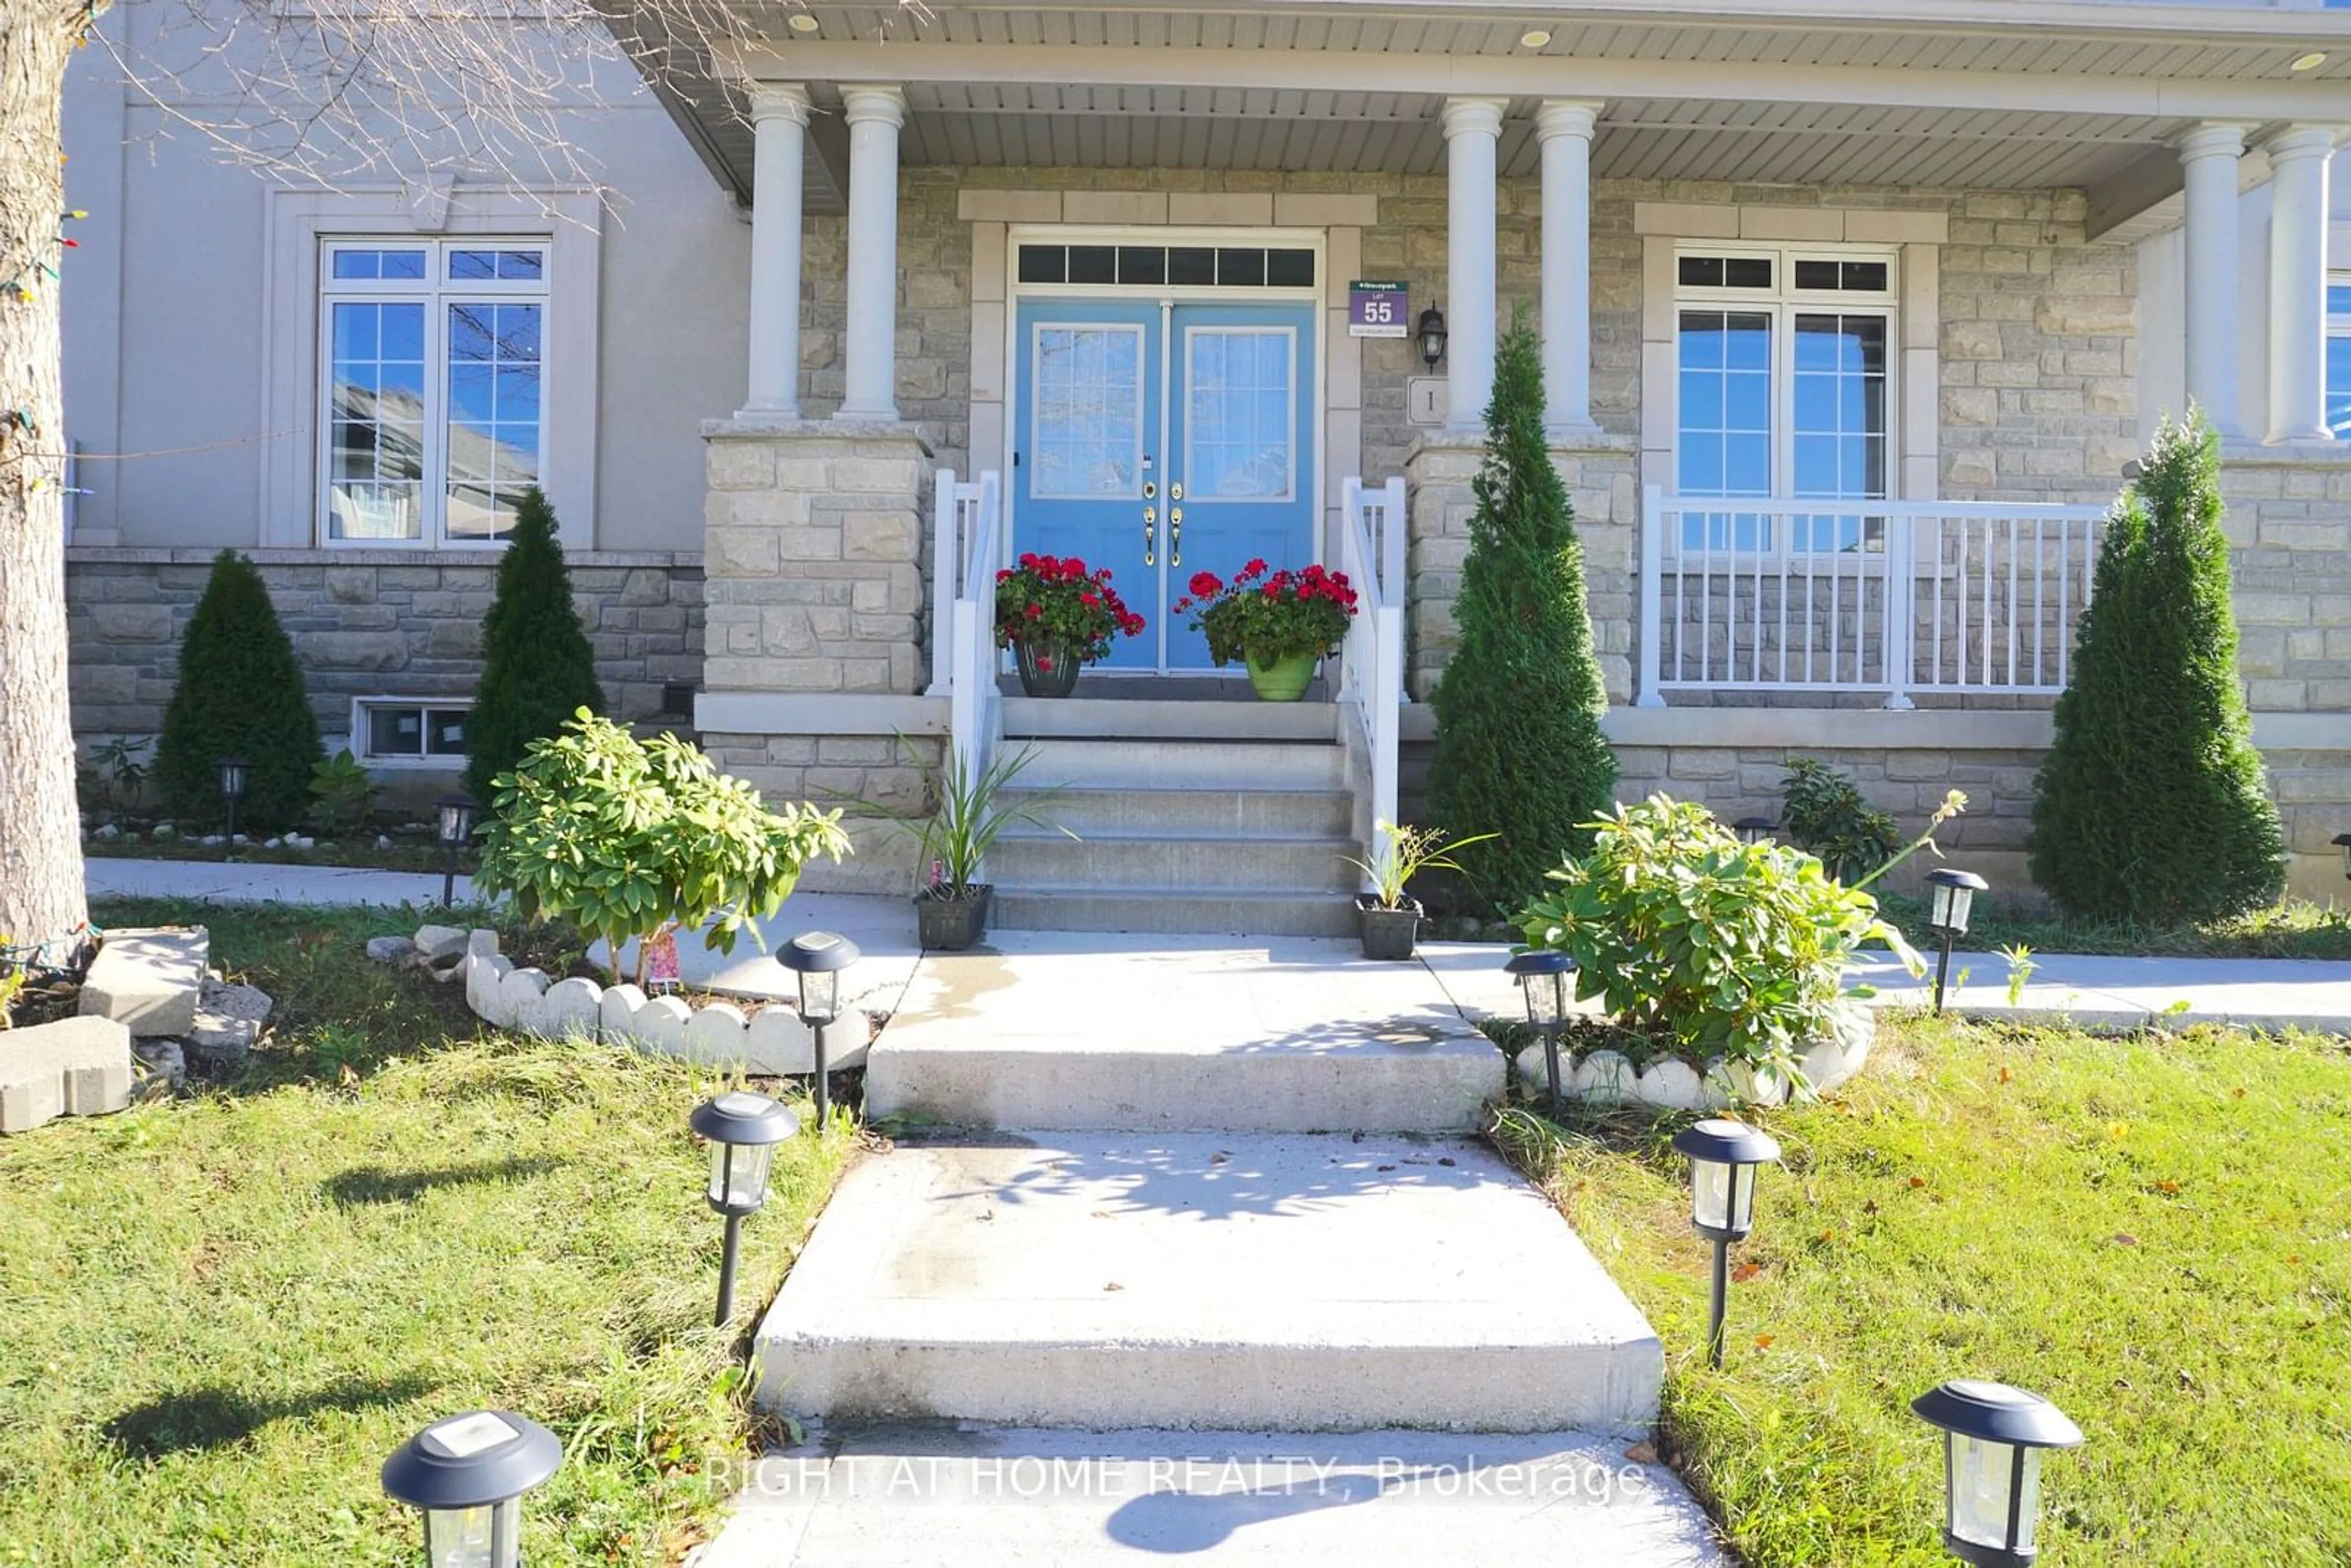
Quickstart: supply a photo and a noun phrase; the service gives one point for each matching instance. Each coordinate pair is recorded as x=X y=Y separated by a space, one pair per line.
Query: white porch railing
x=955 y=519
x=1370 y=679
x=1899 y=597
x=975 y=706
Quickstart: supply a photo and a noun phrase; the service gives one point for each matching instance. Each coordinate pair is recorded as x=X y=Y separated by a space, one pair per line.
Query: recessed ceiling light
x=2311 y=61
x=801 y=21
x=1533 y=38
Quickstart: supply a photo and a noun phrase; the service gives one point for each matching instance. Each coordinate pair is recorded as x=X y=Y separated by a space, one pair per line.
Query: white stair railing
x=975 y=706
x=1371 y=683
x=952 y=526
x=1896 y=597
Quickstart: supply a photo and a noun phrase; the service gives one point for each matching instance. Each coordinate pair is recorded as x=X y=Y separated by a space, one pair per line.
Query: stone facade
x=814 y=546
x=1598 y=472
x=368 y=623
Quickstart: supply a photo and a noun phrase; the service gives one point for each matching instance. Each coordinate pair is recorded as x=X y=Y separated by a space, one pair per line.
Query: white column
x=1564 y=126
x=875 y=115
x=1471 y=126
x=2298 y=159
x=2207 y=158
x=779 y=127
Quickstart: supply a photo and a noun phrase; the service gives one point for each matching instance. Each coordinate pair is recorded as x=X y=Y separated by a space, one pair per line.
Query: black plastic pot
x=1388 y=934
x=949 y=923
x=1047 y=669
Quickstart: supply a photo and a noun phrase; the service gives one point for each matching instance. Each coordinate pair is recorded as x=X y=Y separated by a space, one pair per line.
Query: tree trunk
x=41 y=896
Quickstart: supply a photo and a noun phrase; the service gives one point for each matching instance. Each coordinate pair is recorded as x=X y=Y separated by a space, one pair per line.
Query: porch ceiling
x=1953 y=92
x=967 y=125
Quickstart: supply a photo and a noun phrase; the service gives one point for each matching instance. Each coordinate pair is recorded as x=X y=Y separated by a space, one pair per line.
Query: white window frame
x=426 y=706
x=1783 y=302
x=571 y=224
x=439 y=293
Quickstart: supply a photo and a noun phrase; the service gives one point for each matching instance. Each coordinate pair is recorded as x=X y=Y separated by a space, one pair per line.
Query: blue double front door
x=1161 y=440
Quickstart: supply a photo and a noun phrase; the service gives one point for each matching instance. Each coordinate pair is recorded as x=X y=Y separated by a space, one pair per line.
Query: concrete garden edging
x=1609 y=1078
x=717 y=1034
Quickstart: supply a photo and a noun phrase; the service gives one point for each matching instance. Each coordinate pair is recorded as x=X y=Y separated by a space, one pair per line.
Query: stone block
x=131 y=623
x=2085 y=315
x=228 y=1025
x=75 y=1067
x=148 y=981
x=572 y=1010
x=370 y=650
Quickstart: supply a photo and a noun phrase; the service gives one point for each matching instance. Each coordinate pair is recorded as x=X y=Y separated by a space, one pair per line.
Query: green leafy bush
x=1519 y=760
x=342 y=796
x=240 y=694
x=536 y=666
x=2151 y=806
x=624 y=838
x=1822 y=810
x=1724 y=949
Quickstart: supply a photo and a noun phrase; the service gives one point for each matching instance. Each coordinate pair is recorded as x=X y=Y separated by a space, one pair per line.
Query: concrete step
x=1215 y=1282
x=1183 y=763
x=1228 y=813
x=1133 y=862
x=1068 y=1030
x=1206 y=911
x=1168 y=719
x=884 y=1496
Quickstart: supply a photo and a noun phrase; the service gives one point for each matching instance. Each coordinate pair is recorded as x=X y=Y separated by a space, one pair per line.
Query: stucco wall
x=167 y=302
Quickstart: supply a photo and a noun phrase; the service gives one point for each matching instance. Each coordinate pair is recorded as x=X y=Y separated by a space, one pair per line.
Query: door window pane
x=1239 y=415
x=375 y=480
x=1087 y=436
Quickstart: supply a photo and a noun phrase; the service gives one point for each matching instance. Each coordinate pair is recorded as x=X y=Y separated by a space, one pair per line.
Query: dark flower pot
x=1047 y=669
x=1388 y=934
x=944 y=923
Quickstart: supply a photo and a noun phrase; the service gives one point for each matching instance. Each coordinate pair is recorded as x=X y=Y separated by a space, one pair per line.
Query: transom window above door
x=1169 y=265
x=432 y=373
x=1782 y=388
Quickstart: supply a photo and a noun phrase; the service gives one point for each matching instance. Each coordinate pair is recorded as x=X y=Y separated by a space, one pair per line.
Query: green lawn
x=2295 y=928
x=2155 y=1231
x=222 y=1312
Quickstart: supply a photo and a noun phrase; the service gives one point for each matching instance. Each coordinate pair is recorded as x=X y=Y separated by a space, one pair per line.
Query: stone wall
x=1600 y=486
x=367 y=623
x=869 y=778
x=814 y=548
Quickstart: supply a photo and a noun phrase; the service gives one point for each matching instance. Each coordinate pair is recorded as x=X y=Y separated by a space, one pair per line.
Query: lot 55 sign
x=1377 y=310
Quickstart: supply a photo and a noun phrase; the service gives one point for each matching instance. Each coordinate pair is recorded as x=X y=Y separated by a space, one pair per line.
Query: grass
x=406 y=853
x=225 y=1310
x=2149 y=1230
x=2296 y=928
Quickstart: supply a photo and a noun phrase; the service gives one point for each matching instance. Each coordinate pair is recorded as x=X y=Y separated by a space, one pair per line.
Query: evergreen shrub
x=239 y=694
x=538 y=669
x=1519 y=755
x=2151 y=806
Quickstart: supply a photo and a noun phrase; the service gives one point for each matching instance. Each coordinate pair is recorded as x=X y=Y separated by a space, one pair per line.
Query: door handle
x=1149 y=536
x=1174 y=534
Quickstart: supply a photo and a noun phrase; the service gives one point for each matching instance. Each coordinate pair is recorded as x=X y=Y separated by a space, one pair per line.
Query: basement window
x=412 y=731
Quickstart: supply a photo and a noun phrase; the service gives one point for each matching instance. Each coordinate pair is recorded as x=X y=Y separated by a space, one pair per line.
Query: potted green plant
x=1388 y=920
x=1278 y=623
x=972 y=807
x=1058 y=617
